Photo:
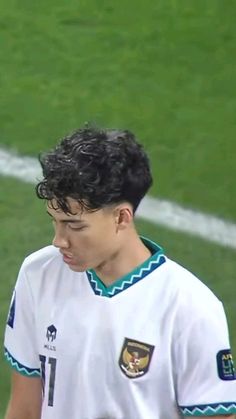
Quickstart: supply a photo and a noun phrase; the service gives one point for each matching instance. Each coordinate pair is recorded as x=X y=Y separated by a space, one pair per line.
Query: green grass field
x=165 y=70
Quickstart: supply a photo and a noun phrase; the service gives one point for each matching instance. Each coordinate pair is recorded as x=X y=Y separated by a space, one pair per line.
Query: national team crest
x=135 y=358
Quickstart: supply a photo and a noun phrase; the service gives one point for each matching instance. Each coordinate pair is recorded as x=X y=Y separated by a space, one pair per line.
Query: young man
x=102 y=325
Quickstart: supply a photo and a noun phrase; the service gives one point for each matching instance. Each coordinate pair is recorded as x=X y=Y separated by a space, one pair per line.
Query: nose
x=60 y=240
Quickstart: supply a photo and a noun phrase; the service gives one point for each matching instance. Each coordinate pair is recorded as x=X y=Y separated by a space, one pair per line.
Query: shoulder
x=40 y=264
x=46 y=255
x=191 y=294
x=44 y=272
x=192 y=304
x=186 y=282
x=42 y=259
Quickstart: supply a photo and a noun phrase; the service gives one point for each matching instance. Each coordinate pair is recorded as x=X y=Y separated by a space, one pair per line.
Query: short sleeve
x=205 y=374
x=20 y=334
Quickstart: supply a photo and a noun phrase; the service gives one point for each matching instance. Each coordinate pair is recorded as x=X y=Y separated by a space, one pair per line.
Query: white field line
x=157 y=211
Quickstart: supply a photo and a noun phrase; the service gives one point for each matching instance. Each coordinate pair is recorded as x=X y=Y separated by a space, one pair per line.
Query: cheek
x=86 y=242
x=99 y=239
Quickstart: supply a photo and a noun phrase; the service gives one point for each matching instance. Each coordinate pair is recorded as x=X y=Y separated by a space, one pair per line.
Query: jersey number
x=52 y=376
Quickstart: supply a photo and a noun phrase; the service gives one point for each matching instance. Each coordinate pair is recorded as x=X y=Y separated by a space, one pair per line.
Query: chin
x=78 y=268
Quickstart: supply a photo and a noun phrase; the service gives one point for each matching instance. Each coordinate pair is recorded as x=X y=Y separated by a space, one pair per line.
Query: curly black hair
x=97 y=168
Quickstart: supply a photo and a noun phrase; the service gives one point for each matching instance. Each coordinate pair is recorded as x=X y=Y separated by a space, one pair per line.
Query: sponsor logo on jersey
x=225 y=365
x=51 y=335
x=11 y=314
x=135 y=358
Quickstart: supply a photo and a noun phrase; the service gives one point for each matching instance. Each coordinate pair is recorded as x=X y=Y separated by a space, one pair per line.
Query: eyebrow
x=66 y=220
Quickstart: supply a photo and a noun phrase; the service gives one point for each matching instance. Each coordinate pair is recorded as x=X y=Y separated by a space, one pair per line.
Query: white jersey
x=153 y=345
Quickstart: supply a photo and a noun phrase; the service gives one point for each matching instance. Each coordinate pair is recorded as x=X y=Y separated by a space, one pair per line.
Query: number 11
x=52 y=376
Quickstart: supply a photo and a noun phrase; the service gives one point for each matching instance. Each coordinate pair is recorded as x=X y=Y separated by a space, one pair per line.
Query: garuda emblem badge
x=135 y=358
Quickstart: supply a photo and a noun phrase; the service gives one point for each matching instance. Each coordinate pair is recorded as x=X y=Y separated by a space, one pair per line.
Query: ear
x=123 y=216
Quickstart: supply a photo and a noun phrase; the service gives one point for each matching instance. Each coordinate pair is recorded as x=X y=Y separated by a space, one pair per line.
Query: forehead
x=77 y=211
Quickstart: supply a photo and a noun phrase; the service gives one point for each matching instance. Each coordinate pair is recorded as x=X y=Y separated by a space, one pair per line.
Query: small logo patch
x=51 y=333
x=225 y=365
x=135 y=358
x=11 y=314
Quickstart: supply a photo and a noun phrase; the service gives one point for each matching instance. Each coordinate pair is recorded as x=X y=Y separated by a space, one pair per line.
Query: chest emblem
x=51 y=333
x=135 y=358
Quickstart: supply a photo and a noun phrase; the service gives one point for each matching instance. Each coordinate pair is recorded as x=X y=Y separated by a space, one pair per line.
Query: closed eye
x=74 y=226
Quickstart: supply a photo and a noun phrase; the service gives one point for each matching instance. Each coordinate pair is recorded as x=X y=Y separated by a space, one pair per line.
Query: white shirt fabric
x=154 y=345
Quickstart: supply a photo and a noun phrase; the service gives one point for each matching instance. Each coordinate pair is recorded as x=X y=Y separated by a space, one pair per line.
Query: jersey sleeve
x=20 y=334
x=205 y=374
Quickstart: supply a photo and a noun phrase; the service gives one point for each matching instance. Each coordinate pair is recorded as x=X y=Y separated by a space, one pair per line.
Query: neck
x=131 y=254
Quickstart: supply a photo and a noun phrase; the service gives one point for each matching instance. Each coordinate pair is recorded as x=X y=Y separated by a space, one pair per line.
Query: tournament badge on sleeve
x=11 y=314
x=135 y=358
x=225 y=365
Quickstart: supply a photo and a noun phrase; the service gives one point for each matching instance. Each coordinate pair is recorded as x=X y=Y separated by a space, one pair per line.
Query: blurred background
x=166 y=71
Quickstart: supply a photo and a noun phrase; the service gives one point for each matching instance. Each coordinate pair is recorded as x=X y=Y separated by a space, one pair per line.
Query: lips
x=67 y=258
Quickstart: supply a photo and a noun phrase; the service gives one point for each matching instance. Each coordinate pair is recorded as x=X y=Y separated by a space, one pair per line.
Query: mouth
x=73 y=262
x=67 y=258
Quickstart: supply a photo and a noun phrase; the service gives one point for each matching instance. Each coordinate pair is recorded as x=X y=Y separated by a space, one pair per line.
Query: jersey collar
x=121 y=284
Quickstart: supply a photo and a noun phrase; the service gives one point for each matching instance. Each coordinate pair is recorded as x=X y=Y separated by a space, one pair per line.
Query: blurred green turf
x=165 y=70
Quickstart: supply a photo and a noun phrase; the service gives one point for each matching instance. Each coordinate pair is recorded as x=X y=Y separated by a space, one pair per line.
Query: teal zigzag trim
x=209 y=410
x=100 y=289
x=29 y=372
x=156 y=260
x=94 y=284
x=134 y=278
